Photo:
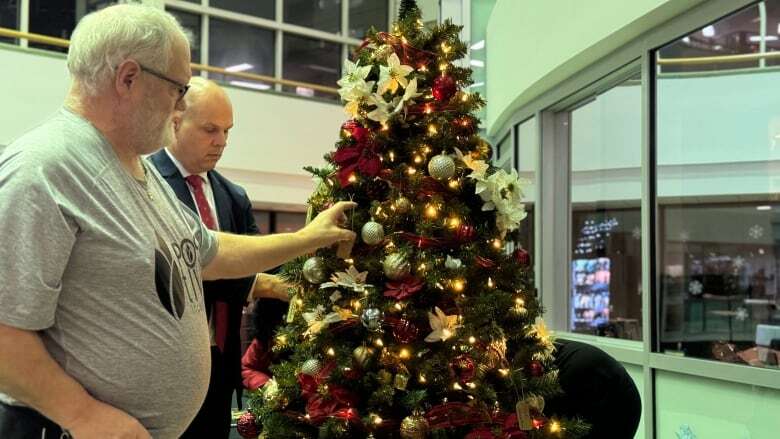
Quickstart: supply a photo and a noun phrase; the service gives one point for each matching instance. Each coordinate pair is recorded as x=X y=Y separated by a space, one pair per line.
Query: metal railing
x=59 y=42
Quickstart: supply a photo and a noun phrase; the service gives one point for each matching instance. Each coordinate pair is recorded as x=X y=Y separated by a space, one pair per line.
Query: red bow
x=403 y=289
x=362 y=157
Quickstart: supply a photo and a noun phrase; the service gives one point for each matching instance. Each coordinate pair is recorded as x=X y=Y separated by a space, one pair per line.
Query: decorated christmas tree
x=429 y=328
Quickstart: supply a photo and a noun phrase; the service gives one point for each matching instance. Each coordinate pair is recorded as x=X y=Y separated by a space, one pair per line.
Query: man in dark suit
x=201 y=132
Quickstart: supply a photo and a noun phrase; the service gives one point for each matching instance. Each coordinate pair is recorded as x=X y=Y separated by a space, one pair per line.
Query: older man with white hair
x=103 y=330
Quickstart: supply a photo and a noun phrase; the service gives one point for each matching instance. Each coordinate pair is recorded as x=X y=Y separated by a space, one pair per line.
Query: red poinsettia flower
x=481 y=433
x=404 y=288
x=361 y=157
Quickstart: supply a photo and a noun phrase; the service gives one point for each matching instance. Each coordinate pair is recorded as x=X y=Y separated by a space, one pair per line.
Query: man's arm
x=240 y=255
x=30 y=375
x=270 y=287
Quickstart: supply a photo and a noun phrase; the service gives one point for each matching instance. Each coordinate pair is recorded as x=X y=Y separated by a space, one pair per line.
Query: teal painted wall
x=534 y=44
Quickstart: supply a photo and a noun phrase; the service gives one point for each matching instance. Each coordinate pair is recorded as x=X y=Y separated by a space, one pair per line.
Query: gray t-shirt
x=107 y=269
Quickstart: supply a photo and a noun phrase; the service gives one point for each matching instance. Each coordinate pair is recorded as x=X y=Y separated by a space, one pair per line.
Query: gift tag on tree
x=523 y=411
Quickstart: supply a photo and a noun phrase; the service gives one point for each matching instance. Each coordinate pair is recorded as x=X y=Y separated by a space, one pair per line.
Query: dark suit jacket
x=234 y=212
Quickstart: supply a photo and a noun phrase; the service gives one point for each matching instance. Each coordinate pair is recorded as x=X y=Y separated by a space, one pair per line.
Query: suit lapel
x=171 y=174
x=222 y=203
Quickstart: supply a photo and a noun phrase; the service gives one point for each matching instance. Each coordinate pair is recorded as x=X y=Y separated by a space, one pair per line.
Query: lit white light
x=479 y=45
x=304 y=91
x=686 y=40
x=477 y=84
x=239 y=67
x=757 y=38
x=477 y=63
x=763 y=207
x=254 y=85
x=708 y=31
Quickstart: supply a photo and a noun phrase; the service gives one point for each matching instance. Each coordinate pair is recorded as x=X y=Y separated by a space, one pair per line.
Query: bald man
x=201 y=132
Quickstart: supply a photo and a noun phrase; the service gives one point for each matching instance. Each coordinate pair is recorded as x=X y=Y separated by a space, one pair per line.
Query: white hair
x=104 y=39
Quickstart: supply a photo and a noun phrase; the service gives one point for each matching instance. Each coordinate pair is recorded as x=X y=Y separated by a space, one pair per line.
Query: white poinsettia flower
x=409 y=93
x=355 y=97
x=383 y=109
x=270 y=389
x=503 y=192
x=335 y=296
x=452 y=263
x=478 y=167
x=349 y=279
x=318 y=320
x=354 y=75
x=540 y=331
x=393 y=75
x=443 y=326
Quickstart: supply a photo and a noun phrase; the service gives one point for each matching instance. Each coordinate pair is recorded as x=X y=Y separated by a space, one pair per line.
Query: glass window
x=526 y=168
x=503 y=153
x=263 y=221
x=366 y=13
x=313 y=61
x=718 y=146
x=191 y=23
x=289 y=222
x=9 y=17
x=322 y=15
x=58 y=19
x=256 y=8
x=606 y=262
x=240 y=47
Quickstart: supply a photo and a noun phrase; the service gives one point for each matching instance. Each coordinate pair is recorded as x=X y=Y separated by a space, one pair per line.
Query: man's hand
x=101 y=421
x=325 y=229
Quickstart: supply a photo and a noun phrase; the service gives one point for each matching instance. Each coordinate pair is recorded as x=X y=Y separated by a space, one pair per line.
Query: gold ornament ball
x=362 y=355
x=311 y=367
x=414 y=427
x=372 y=233
x=396 y=266
x=403 y=205
x=441 y=167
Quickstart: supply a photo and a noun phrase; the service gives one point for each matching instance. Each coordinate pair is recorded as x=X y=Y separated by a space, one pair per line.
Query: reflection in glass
x=313 y=61
x=526 y=169
x=322 y=15
x=718 y=154
x=366 y=13
x=191 y=24
x=240 y=47
x=256 y=8
x=58 y=19
x=9 y=17
x=606 y=263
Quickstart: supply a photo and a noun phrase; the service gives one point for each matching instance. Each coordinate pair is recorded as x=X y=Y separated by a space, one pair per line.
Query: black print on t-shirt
x=175 y=277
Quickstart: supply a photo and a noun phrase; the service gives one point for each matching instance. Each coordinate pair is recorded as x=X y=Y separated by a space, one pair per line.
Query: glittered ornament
x=372 y=319
x=414 y=427
x=314 y=270
x=247 y=426
x=383 y=52
x=400 y=381
x=465 y=233
x=536 y=369
x=362 y=355
x=484 y=150
x=404 y=331
x=396 y=266
x=311 y=367
x=463 y=368
x=355 y=130
x=441 y=167
x=372 y=233
x=444 y=88
x=377 y=189
x=522 y=257
x=402 y=205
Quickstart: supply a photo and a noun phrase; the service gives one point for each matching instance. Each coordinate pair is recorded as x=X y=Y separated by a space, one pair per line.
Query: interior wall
x=273 y=138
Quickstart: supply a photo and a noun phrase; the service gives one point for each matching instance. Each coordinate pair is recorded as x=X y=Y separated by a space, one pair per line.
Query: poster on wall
x=590 y=293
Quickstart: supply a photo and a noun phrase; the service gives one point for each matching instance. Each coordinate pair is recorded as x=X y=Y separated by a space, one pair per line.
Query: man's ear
x=176 y=121
x=127 y=75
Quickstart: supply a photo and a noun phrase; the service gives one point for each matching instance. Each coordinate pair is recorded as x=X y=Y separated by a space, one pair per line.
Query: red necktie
x=220 y=308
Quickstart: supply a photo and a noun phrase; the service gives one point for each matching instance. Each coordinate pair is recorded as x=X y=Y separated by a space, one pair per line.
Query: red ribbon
x=454 y=414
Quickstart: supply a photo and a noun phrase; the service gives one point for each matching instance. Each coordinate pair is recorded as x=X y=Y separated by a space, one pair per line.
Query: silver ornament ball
x=372 y=319
x=311 y=367
x=396 y=266
x=372 y=233
x=441 y=167
x=362 y=355
x=314 y=270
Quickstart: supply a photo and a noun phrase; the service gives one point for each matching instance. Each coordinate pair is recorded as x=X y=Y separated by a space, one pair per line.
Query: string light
x=422 y=379
x=503 y=372
x=432 y=130
x=445 y=48
x=356 y=304
x=282 y=339
x=445 y=334
x=443 y=67
x=352 y=178
x=392 y=156
x=379 y=343
x=428 y=109
x=299 y=301
x=417 y=159
x=431 y=211
x=464 y=97
x=497 y=244
x=411 y=171
x=457 y=386
x=404 y=354
x=555 y=427
x=384 y=126
x=398 y=306
x=376 y=419
x=471 y=385
x=330 y=352
x=427 y=149
x=490 y=282
x=454 y=222
x=472 y=339
x=458 y=285
x=454 y=184
x=423 y=68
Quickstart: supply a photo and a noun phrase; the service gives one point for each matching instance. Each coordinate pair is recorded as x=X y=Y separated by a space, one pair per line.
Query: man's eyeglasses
x=181 y=88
